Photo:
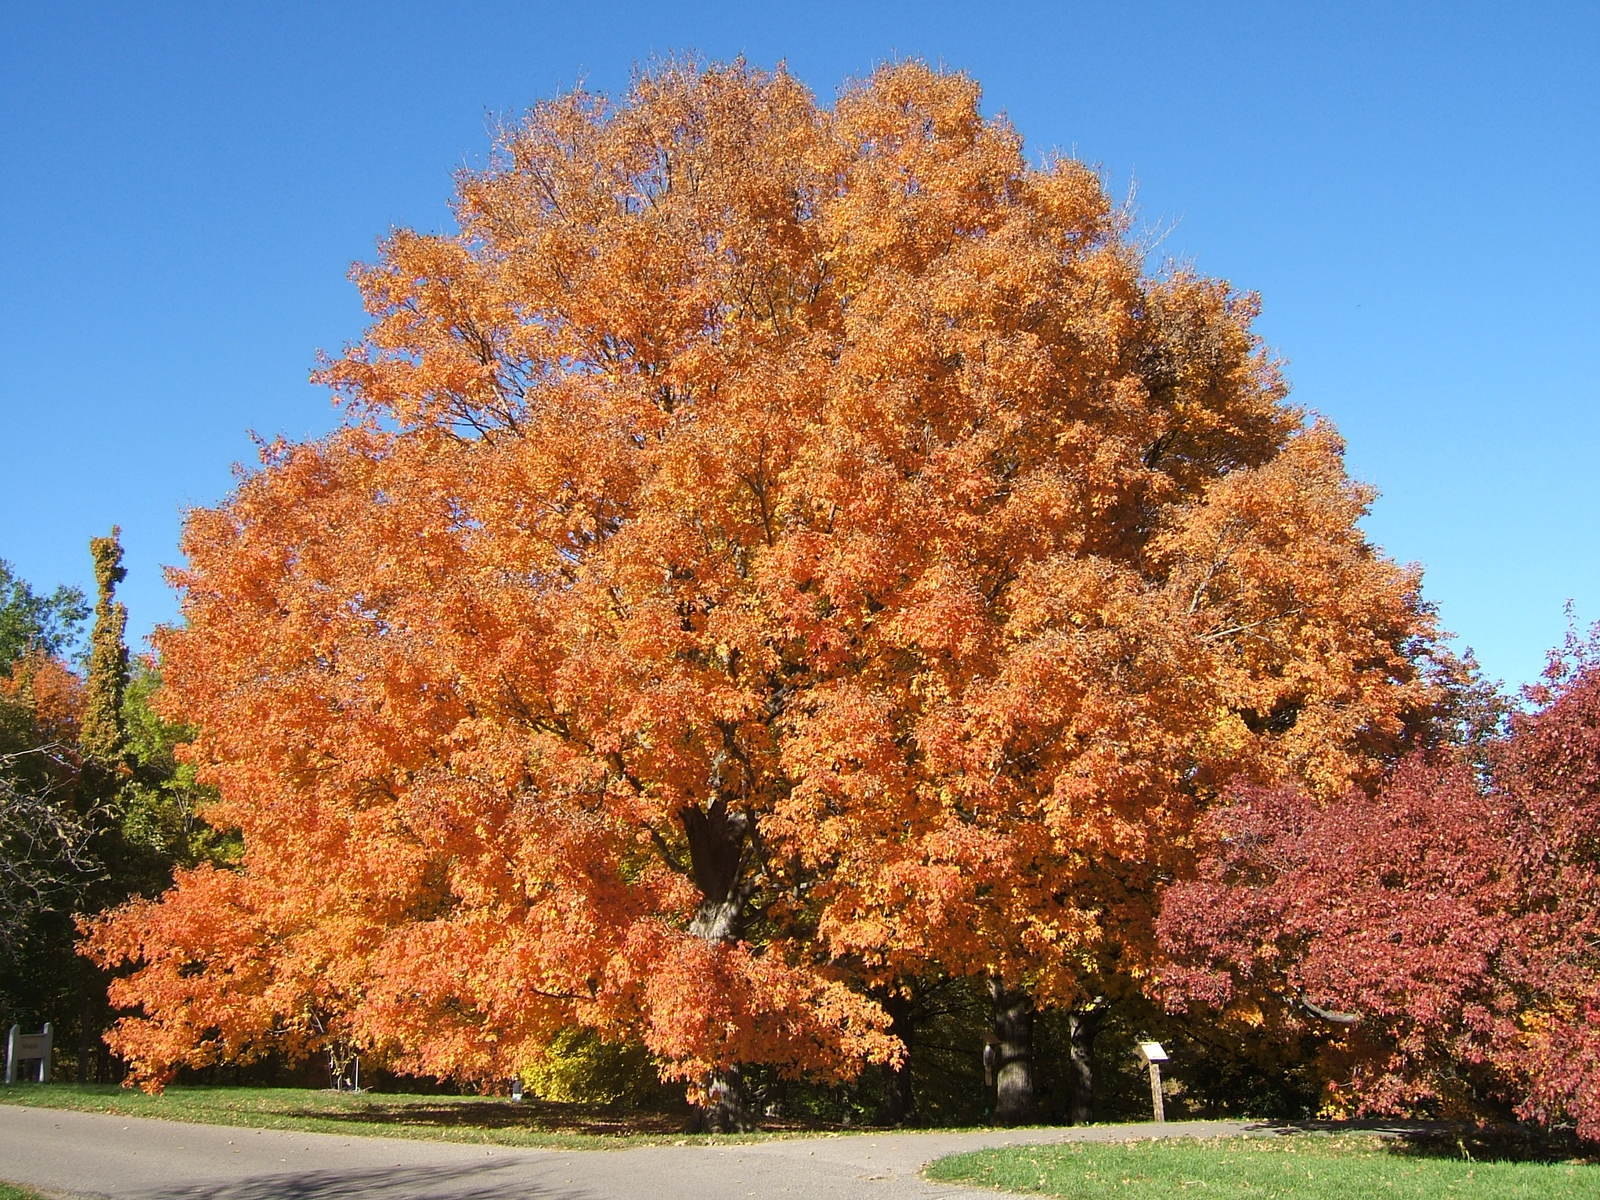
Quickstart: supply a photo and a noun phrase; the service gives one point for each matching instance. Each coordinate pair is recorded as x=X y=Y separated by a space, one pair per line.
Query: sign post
x=1153 y=1054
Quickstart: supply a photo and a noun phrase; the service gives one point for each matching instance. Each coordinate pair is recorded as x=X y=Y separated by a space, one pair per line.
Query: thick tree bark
x=1015 y=1101
x=726 y=1108
x=1083 y=1026
x=717 y=837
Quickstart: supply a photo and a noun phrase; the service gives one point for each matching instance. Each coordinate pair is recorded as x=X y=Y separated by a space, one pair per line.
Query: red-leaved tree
x=1442 y=928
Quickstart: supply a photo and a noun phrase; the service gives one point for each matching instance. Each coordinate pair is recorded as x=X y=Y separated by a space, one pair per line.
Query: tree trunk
x=899 y=1100
x=1013 y=1053
x=1083 y=1026
x=717 y=839
x=91 y=1001
x=85 y=1034
x=726 y=1108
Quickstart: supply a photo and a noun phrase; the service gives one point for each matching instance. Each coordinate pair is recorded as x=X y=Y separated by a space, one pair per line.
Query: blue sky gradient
x=1411 y=187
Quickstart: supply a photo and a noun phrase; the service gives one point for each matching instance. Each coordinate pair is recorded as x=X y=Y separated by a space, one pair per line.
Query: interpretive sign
x=28 y=1047
x=1153 y=1054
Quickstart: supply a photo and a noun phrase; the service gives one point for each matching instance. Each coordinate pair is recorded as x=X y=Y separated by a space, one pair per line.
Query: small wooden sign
x=1153 y=1054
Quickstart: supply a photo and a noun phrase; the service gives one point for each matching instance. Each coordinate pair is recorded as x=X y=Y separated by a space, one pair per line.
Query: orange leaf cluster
x=46 y=697
x=773 y=551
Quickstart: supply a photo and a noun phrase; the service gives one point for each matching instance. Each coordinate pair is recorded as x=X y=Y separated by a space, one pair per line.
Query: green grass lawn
x=438 y=1118
x=10 y=1191
x=1297 y=1167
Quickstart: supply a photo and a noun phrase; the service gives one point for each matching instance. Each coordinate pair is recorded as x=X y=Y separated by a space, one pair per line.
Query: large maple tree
x=773 y=552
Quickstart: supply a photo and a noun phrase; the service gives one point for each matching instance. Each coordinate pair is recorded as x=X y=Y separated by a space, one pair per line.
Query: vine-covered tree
x=93 y=806
x=774 y=553
x=102 y=736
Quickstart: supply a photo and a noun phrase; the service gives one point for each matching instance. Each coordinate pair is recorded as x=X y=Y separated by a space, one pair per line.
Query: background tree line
x=94 y=806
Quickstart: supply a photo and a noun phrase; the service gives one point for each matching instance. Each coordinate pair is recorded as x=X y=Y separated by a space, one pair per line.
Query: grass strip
x=1294 y=1167
x=473 y=1119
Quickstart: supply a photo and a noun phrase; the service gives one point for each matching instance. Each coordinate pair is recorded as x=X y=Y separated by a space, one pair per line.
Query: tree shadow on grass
x=1505 y=1142
x=489 y=1114
x=478 y=1182
x=537 y=1116
x=1500 y=1143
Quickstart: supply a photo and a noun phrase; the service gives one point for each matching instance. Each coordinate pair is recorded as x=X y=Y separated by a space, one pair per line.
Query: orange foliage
x=771 y=550
x=47 y=695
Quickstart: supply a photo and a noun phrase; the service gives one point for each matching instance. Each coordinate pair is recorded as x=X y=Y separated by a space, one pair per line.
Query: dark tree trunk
x=86 y=1031
x=92 y=1019
x=1083 y=1026
x=1013 y=1053
x=899 y=1100
x=718 y=837
x=726 y=1108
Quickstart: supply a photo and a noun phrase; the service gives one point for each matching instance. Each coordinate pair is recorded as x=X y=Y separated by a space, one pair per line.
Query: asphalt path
x=131 y=1158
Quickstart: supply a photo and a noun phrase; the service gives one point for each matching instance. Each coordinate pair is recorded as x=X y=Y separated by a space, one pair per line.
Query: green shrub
x=581 y=1067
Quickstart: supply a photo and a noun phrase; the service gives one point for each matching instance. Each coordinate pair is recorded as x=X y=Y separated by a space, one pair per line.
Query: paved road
x=131 y=1158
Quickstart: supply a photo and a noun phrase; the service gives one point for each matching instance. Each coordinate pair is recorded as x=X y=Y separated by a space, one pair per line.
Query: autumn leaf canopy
x=771 y=551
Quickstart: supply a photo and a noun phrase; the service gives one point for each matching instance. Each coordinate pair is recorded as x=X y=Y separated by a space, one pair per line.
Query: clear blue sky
x=1411 y=188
